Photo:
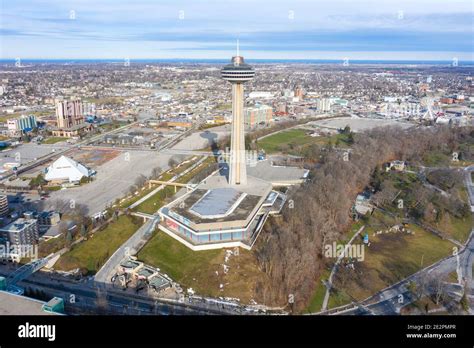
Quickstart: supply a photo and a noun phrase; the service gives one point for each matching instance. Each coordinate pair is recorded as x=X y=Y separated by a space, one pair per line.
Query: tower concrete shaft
x=237 y=163
x=237 y=73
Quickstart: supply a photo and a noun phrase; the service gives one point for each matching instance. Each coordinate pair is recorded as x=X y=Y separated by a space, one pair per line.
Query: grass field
x=197 y=269
x=51 y=246
x=438 y=159
x=53 y=140
x=94 y=252
x=316 y=301
x=152 y=204
x=294 y=140
x=457 y=228
x=390 y=258
x=454 y=227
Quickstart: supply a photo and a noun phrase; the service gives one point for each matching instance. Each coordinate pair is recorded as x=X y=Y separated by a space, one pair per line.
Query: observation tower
x=237 y=73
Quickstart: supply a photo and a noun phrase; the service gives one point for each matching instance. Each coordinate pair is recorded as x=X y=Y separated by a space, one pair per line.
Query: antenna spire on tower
x=238 y=47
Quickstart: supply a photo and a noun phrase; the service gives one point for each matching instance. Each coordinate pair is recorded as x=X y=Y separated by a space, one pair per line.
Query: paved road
x=469 y=184
x=126 y=302
x=117 y=302
x=115 y=177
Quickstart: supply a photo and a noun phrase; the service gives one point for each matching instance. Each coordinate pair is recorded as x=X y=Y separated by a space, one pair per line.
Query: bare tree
x=156 y=172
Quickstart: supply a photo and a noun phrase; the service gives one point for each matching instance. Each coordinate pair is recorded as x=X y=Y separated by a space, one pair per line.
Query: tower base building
x=217 y=215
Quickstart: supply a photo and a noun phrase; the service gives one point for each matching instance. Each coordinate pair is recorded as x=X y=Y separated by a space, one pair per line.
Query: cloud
x=213 y=25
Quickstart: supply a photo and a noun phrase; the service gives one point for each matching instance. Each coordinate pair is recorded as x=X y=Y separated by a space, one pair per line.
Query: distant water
x=223 y=61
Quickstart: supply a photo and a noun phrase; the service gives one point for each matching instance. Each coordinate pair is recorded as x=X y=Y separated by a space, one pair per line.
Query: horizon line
x=248 y=59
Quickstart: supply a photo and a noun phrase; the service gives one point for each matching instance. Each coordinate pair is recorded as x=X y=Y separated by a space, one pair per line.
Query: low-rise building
x=16 y=126
x=362 y=205
x=48 y=218
x=397 y=165
x=65 y=169
x=179 y=122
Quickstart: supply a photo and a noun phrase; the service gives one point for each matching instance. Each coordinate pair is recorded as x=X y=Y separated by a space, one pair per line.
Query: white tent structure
x=66 y=169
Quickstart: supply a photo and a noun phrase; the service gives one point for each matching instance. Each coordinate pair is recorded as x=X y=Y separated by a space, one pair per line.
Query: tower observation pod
x=237 y=73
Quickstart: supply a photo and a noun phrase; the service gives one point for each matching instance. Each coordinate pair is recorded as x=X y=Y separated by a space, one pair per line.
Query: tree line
x=289 y=250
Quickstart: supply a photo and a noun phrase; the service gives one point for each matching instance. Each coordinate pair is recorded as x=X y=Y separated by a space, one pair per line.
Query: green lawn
x=317 y=299
x=457 y=228
x=223 y=107
x=293 y=141
x=94 y=252
x=53 y=140
x=436 y=158
x=338 y=297
x=407 y=183
x=272 y=143
x=197 y=269
x=152 y=204
x=4 y=118
x=390 y=258
x=174 y=258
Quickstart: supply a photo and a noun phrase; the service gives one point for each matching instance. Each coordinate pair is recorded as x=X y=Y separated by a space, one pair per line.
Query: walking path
x=334 y=269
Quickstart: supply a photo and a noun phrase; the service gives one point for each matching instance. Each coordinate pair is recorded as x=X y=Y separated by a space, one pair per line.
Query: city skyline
x=358 y=30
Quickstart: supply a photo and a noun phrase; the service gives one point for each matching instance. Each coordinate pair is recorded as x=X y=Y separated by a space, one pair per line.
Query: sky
x=276 y=29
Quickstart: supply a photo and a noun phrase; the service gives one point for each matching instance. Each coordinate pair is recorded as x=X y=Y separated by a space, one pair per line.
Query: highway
x=84 y=297
x=81 y=298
